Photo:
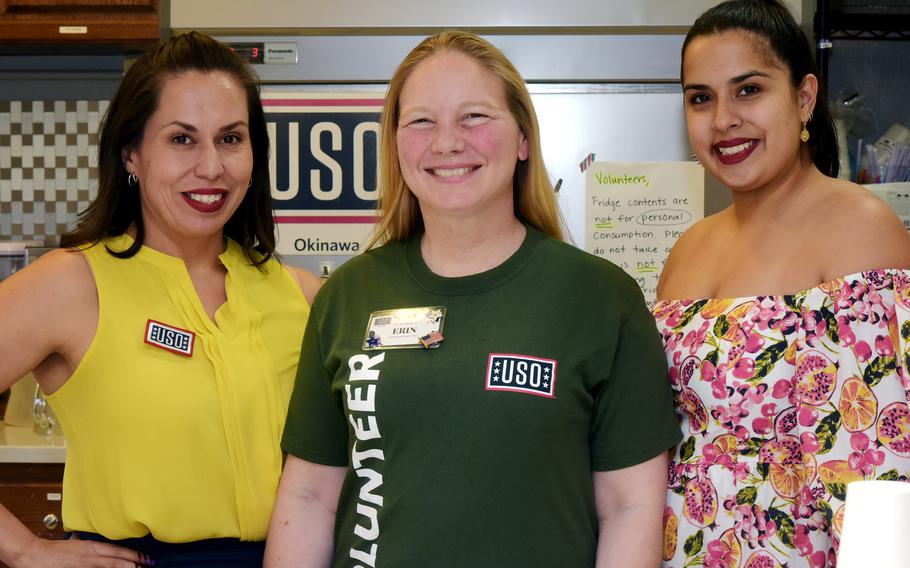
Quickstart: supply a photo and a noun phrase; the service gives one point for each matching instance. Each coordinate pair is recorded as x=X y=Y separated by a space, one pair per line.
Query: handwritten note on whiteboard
x=635 y=211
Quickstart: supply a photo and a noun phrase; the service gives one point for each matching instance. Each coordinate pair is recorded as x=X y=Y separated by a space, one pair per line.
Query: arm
x=309 y=283
x=630 y=504
x=19 y=547
x=303 y=522
x=49 y=312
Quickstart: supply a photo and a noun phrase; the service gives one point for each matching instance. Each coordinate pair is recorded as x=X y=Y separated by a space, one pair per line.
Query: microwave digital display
x=250 y=52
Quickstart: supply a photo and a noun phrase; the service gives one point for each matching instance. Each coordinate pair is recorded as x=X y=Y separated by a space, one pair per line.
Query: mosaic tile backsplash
x=48 y=166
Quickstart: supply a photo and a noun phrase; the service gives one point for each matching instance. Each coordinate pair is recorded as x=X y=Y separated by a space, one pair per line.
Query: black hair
x=117 y=205
x=771 y=21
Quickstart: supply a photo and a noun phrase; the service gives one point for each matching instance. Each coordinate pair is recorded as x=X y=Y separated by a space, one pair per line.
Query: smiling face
x=742 y=112
x=195 y=159
x=458 y=143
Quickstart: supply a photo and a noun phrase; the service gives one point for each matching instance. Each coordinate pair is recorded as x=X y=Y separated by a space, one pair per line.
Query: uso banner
x=324 y=169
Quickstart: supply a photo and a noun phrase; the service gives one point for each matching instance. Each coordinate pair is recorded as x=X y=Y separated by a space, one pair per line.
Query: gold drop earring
x=804 y=134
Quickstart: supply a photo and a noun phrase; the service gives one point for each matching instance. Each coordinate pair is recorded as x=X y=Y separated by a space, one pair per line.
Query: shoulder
x=64 y=272
x=57 y=289
x=581 y=271
x=863 y=232
x=688 y=251
x=385 y=263
x=308 y=282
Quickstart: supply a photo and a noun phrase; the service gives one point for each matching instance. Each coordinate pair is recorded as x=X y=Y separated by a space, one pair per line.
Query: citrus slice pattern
x=788 y=479
x=858 y=405
x=732 y=550
x=671 y=524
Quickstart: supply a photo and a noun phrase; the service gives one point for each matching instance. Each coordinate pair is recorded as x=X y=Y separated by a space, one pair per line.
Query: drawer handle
x=51 y=521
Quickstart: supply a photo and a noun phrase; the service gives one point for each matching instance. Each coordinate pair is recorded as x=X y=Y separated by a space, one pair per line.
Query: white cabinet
x=544 y=15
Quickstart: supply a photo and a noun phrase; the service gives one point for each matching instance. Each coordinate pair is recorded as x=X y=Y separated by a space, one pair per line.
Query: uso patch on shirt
x=170 y=338
x=521 y=373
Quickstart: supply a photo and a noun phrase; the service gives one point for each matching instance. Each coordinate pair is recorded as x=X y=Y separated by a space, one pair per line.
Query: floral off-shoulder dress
x=783 y=401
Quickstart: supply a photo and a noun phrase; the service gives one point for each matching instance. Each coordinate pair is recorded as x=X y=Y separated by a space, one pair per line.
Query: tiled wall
x=48 y=166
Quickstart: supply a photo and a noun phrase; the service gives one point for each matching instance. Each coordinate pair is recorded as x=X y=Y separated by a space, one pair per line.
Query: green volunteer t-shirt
x=480 y=452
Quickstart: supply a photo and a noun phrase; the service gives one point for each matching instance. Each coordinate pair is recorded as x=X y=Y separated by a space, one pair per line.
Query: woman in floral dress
x=785 y=317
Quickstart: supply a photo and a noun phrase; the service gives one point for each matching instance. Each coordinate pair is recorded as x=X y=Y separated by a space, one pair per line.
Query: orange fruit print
x=858 y=405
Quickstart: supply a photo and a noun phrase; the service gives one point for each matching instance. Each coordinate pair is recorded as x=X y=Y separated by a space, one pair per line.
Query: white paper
x=635 y=211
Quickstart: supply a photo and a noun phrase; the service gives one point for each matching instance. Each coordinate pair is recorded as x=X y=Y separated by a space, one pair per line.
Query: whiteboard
x=635 y=122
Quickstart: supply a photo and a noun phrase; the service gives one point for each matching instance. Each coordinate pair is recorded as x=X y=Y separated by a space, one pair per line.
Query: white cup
x=876 y=519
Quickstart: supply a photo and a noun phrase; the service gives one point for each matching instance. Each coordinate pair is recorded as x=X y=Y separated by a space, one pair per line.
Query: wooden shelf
x=130 y=24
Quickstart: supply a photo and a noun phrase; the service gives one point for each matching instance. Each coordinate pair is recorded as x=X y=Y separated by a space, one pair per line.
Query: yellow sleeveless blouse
x=180 y=447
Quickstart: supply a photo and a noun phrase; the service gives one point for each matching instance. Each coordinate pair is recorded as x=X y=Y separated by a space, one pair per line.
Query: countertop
x=20 y=445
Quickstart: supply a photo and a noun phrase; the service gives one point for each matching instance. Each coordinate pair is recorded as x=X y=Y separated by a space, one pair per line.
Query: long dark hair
x=773 y=22
x=117 y=205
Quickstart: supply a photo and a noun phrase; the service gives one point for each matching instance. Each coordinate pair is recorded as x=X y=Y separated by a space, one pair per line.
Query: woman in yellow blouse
x=164 y=332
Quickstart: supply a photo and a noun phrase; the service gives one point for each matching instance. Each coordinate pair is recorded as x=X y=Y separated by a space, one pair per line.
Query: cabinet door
x=32 y=493
x=133 y=22
x=37 y=505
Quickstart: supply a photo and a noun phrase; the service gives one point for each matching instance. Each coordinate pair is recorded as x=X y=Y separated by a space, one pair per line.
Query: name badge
x=170 y=338
x=405 y=328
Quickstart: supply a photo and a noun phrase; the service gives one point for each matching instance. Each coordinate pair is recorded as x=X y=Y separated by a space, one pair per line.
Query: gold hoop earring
x=132 y=180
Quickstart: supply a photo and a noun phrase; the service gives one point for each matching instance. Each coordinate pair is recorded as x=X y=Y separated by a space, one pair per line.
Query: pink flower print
x=803 y=504
x=769 y=311
x=862 y=351
x=671 y=341
x=754 y=342
x=787 y=324
x=714 y=454
x=695 y=339
x=807 y=416
x=730 y=415
x=741 y=432
x=859 y=289
x=878 y=279
x=707 y=370
x=883 y=346
x=719 y=389
x=860 y=310
x=769 y=409
x=801 y=540
x=753 y=524
x=674 y=318
x=741 y=471
x=720 y=554
x=755 y=394
x=814 y=324
x=845 y=332
x=864 y=459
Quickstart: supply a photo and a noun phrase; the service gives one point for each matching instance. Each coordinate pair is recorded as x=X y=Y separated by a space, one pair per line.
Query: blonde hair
x=535 y=202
